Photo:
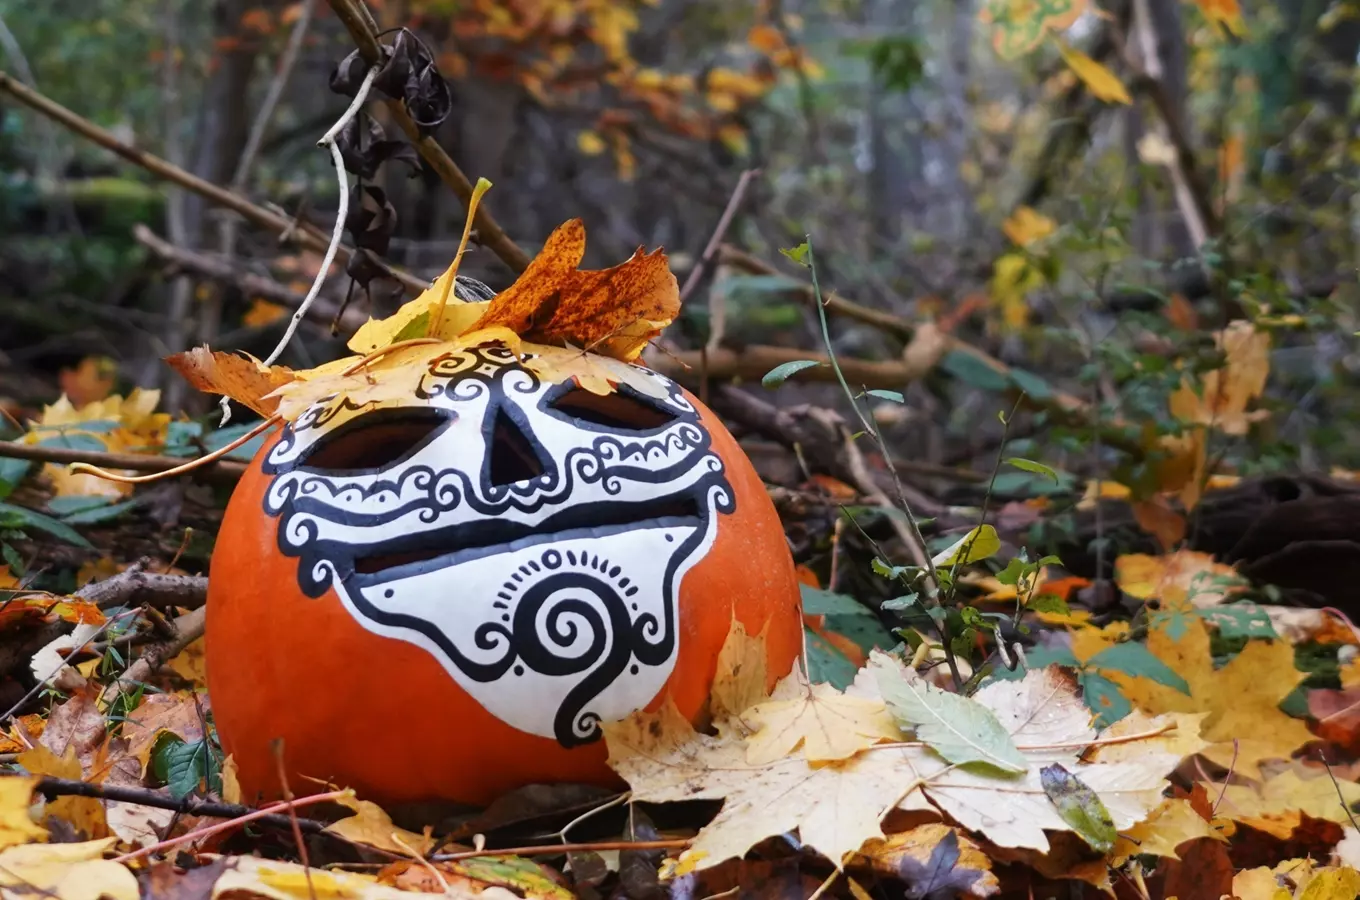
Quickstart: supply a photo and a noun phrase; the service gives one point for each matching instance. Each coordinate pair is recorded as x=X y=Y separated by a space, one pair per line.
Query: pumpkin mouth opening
x=680 y=510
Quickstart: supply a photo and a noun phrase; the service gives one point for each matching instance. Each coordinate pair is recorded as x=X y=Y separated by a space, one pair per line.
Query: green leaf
x=65 y=506
x=1239 y=620
x=1031 y=384
x=973 y=372
x=890 y=571
x=1049 y=603
x=826 y=664
x=186 y=766
x=906 y=601
x=817 y=602
x=797 y=254
x=1103 y=697
x=959 y=729
x=12 y=471
x=894 y=396
x=1137 y=660
x=1030 y=465
x=781 y=373
x=1080 y=807
x=1016 y=569
x=867 y=632
x=27 y=518
x=99 y=514
x=223 y=436
x=975 y=546
x=12 y=559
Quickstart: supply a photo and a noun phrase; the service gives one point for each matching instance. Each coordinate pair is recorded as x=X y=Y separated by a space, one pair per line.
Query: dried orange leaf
x=613 y=311
x=242 y=378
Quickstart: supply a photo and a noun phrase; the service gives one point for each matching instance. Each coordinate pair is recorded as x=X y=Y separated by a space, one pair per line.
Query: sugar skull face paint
x=531 y=536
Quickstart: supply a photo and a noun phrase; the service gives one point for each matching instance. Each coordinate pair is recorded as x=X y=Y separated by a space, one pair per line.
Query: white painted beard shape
x=552 y=636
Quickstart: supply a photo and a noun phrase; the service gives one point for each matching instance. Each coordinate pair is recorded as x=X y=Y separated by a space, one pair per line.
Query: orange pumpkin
x=444 y=598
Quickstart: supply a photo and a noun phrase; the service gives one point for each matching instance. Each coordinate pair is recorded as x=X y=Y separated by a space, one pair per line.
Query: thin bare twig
x=556 y=849
x=188 y=628
x=715 y=242
x=364 y=32
x=198 y=834
x=193 y=806
x=341 y=217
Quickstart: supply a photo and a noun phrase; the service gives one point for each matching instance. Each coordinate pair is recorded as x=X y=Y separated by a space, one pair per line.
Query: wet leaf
x=959 y=729
x=1079 y=807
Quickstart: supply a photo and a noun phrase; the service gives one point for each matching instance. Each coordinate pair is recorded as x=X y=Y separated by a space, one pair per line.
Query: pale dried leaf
x=66 y=871
x=827 y=724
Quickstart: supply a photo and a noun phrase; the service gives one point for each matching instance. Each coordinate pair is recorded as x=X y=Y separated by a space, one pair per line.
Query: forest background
x=1088 y=270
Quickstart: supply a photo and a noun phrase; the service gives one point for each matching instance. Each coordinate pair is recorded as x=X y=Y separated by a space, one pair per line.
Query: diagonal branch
x=271 y=221
x=364 y=32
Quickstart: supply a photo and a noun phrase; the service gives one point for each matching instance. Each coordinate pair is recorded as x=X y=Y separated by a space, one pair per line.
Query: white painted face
x=532 y=536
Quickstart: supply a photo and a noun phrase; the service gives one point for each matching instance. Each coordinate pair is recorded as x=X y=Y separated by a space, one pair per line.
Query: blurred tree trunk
x=1159 y=231
x=221 y=127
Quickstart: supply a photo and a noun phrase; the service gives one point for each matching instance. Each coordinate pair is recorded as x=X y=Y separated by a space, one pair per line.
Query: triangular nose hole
x=511 y=454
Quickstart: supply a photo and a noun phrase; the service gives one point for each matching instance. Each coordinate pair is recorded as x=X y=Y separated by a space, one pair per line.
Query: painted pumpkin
x=444 y=598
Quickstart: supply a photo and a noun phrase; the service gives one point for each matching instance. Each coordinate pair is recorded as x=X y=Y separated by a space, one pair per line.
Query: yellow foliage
x=1103 y=83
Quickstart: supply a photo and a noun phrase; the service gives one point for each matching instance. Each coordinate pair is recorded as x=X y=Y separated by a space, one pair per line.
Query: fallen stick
x=192 y=806
x=222 y=470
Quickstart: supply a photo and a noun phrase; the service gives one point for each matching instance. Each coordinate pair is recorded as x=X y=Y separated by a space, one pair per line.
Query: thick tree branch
x=364 y=32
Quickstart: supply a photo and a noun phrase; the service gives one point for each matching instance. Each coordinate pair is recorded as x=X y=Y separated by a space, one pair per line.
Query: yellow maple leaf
x=740 y=680
x=16 y=826
x=1027 y=226
x=1245 y=724
x=67 y=871
x=825 y=722
x=1226 y=392
x=84 y=814
x=1276 y=804
x=136 y=428
x=372 y=826
x=835 y=806
x=1177 y=578
x=1103 y=83
x=1170 y=825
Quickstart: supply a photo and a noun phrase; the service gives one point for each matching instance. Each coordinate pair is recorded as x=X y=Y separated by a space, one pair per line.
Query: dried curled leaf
x=243 y=378
x=614 y=311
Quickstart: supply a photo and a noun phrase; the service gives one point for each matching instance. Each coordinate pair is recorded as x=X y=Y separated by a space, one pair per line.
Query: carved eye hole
x=377 y=443
x=615 y=410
